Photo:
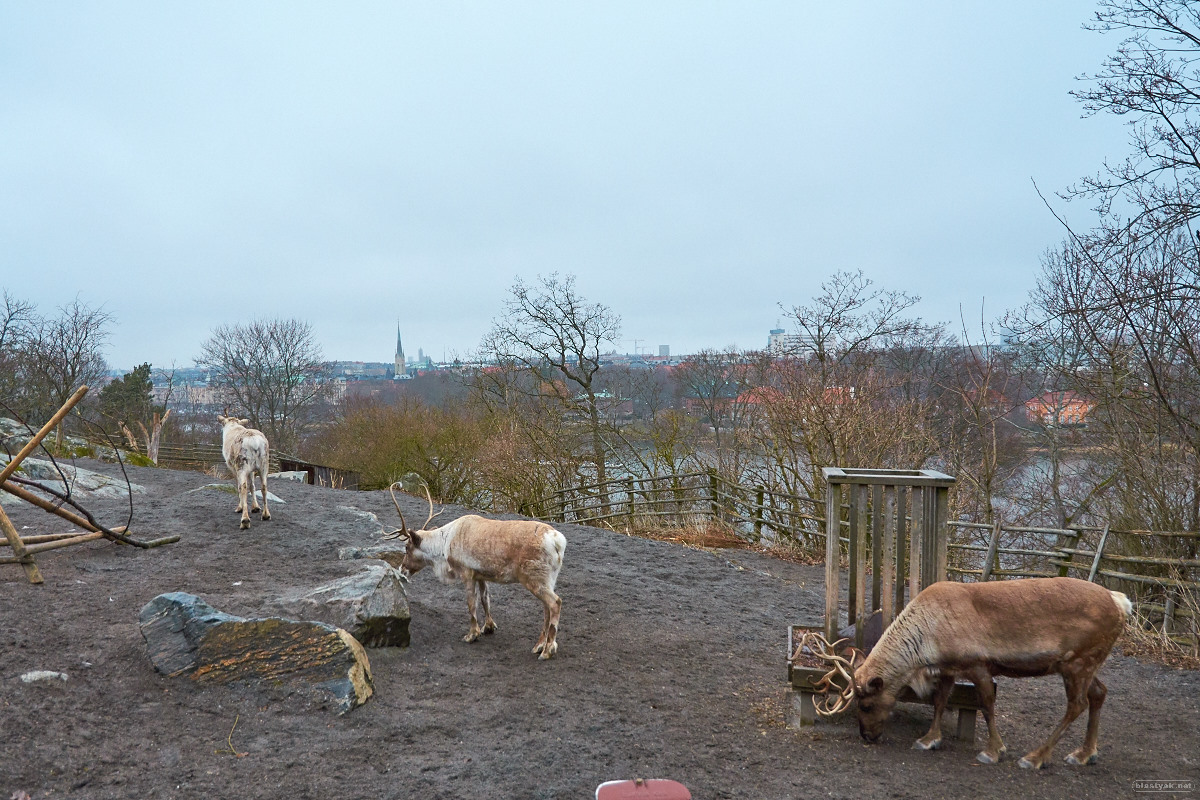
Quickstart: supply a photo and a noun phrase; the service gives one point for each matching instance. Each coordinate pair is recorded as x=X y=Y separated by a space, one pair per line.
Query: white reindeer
x=246 y=452
x=476 y=550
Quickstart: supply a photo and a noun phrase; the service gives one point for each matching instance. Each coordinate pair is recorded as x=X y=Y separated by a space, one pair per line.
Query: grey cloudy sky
x=694 y=163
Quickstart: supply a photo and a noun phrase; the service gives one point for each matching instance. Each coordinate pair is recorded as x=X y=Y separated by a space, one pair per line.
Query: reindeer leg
x=986 y=690
x=489 y=624
x=266 y=512
x=254 y=507
x=473 y=633
x=933 y=739
x=243 y=505
x=553 y=604
x=1076 y=680
x=1087 y=754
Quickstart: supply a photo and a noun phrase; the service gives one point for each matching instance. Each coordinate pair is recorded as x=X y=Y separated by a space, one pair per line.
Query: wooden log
x=185 y=636
x=21 y=554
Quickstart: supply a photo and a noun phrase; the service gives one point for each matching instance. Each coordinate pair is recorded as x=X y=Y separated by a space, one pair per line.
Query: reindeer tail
x=1122 y=603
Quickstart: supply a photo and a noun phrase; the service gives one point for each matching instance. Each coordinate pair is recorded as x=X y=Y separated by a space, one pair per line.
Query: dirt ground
x=671 y=665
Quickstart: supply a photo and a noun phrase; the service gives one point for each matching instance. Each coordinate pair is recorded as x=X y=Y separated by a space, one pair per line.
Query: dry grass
x=705 y=534
x=1142 y=641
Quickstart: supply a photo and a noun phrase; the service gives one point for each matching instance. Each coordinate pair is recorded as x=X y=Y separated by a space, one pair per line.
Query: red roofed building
x=1059 y=408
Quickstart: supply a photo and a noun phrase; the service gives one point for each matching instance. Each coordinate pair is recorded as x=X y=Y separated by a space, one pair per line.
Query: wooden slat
x=832 y=557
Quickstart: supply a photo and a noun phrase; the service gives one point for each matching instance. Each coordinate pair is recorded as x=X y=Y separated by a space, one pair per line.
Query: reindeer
x=1017 y=628
x=476 y=550
x=246 y=452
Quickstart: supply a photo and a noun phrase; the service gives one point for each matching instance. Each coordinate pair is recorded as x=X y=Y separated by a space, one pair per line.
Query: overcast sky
x=695 y=164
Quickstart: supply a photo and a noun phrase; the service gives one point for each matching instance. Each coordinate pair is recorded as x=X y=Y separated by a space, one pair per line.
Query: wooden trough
x=24 y=548
x=897 y=524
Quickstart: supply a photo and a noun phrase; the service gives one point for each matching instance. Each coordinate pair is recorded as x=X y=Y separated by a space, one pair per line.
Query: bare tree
x=721 y=386
x=1152 y=82
x=555 y=333
x=273 y=370
x=61 y=354
x=16 y=321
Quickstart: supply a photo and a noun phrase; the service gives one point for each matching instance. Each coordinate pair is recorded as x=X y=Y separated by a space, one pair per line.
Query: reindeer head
x=875 y=704
x=414 y=560
x=227 y=421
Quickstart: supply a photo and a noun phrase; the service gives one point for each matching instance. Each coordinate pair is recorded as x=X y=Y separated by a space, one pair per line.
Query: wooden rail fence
x=1159 y=570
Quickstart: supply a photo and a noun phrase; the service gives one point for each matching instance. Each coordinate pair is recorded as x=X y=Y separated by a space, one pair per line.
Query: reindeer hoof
x=256 y=511
x=548 y=652
x=489 y=629
x=987 y=758
x=245 y=524
x=266 y=517
x=537 y=648
x=922 y=745
x=471 y=637
x=1025 y=763
x=1074 y=761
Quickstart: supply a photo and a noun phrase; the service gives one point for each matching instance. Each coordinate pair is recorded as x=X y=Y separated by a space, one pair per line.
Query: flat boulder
x=185 y=636
x=372 y=605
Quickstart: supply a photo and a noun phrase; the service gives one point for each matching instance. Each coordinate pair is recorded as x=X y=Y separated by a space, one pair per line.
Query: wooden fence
x=1160 y=571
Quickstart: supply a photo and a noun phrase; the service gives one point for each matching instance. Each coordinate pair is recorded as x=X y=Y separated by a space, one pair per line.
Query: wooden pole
x=832 y=556
x=890 y=570
x=855 y=554
x=1099 y=555
x=993 y=546
x=20 y=554
x=42 y=434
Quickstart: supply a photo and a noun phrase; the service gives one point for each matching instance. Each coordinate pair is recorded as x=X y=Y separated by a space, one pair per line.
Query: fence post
x=1072 y=543
x=1169 y=613
x=712 y=491
x=629 y=498
x=758 y=512
x=993 y=546
x=1099 y=555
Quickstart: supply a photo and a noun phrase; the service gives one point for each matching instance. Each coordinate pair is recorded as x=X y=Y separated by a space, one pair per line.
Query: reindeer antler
x=403 y=532
x=843 y=668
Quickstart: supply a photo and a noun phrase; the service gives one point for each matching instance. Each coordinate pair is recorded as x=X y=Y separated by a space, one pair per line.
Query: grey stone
x=185 y=636
x=393 y=554
x=372 y=605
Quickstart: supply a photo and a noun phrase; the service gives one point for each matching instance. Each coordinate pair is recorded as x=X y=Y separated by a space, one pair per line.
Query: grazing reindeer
x=476 y=550
x=1017 y=628
x=246 y=452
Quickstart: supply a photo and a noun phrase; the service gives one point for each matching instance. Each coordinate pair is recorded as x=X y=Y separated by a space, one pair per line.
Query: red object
x=642 y=789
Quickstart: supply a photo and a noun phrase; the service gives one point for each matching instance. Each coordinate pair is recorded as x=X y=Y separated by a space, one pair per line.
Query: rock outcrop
x=185 y=636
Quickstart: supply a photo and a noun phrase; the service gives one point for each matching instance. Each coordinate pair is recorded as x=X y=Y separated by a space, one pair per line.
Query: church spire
x=401 y=367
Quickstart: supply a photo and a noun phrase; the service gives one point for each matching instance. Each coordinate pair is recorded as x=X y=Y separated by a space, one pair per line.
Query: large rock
x=371 y=605
x=186 y=636
x=393 y=554
x=84 y=482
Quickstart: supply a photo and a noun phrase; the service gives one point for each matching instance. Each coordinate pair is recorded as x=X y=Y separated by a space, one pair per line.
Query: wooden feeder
x=896 y=521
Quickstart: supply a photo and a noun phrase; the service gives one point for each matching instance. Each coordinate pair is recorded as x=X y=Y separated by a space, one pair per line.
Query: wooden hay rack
x=24 y=548
x=896 y=523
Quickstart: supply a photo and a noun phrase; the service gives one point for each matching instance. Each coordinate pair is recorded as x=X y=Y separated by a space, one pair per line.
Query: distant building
x=1059 y=408
x=664 y=351
x=401 y=367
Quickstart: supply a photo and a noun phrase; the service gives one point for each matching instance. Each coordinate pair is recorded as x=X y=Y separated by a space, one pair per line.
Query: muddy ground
x=671 y=664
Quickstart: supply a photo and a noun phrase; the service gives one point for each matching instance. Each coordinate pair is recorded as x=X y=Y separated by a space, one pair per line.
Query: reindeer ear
x=222 y=419
x=855 y=656
x=415 y=538
x=243 y=422
x=875 y=684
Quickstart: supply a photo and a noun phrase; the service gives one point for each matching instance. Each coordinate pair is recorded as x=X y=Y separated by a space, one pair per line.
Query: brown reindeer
x=974 y=631
x=476 y=550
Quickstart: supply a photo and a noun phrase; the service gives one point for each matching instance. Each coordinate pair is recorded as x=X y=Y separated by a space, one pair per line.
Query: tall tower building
x=401 y=367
